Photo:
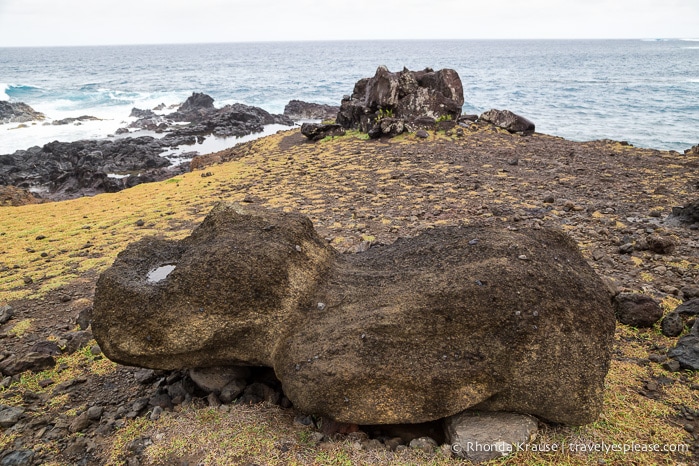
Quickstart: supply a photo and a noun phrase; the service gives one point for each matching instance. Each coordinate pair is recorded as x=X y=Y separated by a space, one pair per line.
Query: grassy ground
x=352 y=194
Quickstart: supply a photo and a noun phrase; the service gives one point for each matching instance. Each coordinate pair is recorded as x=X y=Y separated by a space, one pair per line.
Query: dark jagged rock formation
x=419 y=330
x=316 y=132
x=687 y=350
x=404 y=97
x=299 y=110
x=505 y=119
x=204 y=119
x=67 y=170
x=18 y=112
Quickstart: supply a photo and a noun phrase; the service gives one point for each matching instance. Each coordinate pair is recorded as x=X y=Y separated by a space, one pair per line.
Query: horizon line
x=141 y=44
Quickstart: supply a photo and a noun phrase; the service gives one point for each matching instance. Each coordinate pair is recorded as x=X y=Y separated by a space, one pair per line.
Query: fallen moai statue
x=455 y=318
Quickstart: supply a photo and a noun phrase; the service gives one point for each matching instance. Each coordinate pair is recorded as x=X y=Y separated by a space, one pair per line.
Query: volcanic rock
x=407 y=333
x=214 y=379
x=316 y=131
x=71 y=169
x=687 y=350
x=505 y=119
x=687 y=214
x=637 y=310
x=482 y=436
x=6 y=313
x=300 y=110
x=407 y=96
x=10 y=415
x=673 y=323
x=18 y=112
x=77 y=120
x=35 y=362
x=138 y=113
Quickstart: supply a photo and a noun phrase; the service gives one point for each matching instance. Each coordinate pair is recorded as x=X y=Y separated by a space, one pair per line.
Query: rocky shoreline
x=61 y=170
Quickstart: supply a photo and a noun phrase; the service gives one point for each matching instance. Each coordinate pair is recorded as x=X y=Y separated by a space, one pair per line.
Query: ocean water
x=642 y=91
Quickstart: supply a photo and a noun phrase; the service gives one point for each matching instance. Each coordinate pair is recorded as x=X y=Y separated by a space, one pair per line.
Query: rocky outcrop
x=65 y=170
x=688 y=214
x=694 y=150
x=299 y=110
x=416 y=331
x=505 y=119
x=139 y=113
x=18 y=112
x=406 y=96
x=204 y=119
x=316 y=131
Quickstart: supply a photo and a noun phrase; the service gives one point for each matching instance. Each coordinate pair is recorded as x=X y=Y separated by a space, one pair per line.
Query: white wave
x=3 y=95
x=690 y=40
x=16 y=136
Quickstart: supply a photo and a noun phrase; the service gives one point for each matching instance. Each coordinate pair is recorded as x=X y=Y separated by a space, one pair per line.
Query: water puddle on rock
x=160 y=274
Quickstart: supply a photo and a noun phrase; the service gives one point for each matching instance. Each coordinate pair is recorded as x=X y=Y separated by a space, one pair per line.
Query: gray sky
x=100 y=22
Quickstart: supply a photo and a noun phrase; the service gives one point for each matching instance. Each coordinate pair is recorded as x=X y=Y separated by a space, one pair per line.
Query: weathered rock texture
x=71 y=169
x=415 y=331
x=18 y=112
x=637 y=310
x=204 y=119
x=481 y=436
x=299 y=110
x=316 y=132
x=687 y=350
x=405 y=96
x=687 y=214
x=505 y=119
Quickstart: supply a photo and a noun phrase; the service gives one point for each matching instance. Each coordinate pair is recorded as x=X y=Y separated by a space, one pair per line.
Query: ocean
x=645 y=92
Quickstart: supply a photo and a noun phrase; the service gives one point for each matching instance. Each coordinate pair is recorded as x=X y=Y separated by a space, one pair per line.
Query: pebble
x=657 y=358
x=671 y=366
x=156 y=413
x=10 y=415
x=6 y=313
x=95 y=413
x=425 y=444
x=626 y=248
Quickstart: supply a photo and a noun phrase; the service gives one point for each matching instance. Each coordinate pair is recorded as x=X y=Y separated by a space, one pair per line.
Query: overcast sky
x=101 y=22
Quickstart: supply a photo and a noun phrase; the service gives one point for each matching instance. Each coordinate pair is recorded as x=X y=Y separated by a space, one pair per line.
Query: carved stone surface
x=416 y=331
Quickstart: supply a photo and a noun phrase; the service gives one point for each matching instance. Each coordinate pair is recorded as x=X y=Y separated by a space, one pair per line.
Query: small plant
x=384 y=113
x=444 y=118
